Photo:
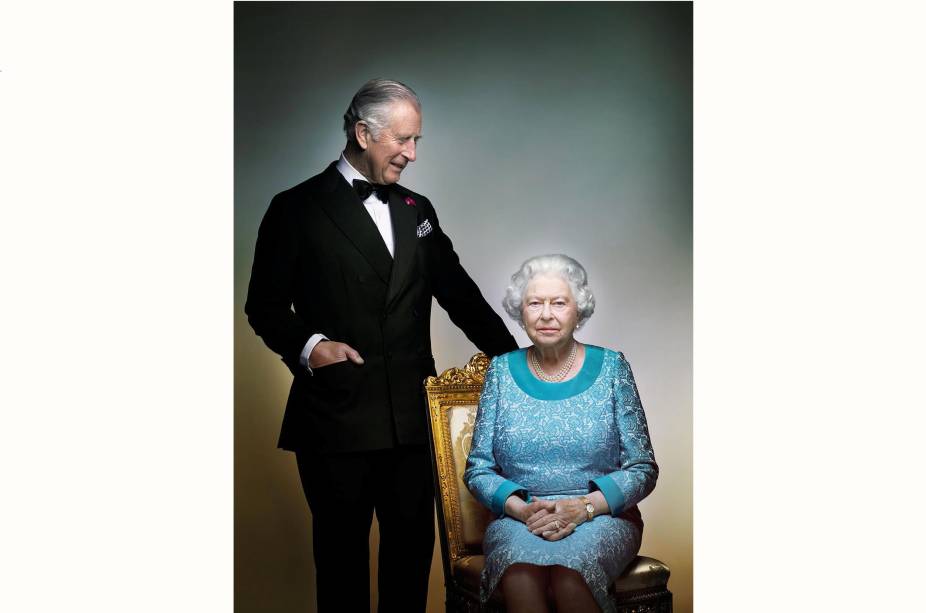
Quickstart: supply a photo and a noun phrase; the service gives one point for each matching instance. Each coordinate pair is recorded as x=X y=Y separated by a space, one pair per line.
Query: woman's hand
x=520 y=510
x=556 y=519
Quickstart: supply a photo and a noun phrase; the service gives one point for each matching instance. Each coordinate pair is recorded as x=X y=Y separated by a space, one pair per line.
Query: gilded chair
x=452 y=401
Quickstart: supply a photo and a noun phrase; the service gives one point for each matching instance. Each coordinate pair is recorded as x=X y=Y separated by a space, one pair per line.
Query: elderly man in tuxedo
x=345 y=267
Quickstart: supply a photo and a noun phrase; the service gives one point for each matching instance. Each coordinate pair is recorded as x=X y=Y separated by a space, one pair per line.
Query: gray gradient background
x=547 y=128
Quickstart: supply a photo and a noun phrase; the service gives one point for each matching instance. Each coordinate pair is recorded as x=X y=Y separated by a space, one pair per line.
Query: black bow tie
x=364 y=190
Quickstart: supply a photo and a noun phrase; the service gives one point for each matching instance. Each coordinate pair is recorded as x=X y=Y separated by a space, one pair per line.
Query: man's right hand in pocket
x=326 y=353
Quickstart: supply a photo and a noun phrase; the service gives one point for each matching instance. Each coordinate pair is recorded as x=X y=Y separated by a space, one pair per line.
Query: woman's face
x=549 y=312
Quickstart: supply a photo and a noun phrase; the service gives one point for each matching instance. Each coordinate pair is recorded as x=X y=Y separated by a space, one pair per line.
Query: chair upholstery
x=452 y=401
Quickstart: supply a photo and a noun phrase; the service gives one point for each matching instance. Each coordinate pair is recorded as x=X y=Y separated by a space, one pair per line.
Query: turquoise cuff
x=611 y=492
x=504 y=490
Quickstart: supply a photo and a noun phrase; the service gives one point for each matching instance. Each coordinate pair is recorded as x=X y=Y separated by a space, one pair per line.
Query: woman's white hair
x=560 y=265
x=371 y=105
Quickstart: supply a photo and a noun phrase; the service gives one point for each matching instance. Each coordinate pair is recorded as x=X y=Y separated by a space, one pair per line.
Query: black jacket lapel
x=344 y=208
x=404 y=231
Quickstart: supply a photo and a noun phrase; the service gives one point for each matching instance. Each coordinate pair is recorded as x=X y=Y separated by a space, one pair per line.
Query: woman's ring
x=556 y=523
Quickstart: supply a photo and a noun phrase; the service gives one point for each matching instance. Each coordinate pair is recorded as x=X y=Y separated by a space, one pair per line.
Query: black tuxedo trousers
x=343 y=491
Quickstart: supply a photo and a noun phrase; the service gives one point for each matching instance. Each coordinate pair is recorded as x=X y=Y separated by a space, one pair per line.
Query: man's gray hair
x=560 y=265
x=371 y=105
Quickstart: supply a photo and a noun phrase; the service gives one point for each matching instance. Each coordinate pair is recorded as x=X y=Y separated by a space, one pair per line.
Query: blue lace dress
x=562 y=440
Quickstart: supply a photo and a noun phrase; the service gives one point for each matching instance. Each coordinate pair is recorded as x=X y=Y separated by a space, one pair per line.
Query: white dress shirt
x=379 y=211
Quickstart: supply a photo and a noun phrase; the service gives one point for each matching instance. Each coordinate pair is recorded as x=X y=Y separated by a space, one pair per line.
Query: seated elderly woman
x=561 y=452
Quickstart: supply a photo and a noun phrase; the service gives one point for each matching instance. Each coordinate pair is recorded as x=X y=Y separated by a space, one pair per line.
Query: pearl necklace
x=561 y=373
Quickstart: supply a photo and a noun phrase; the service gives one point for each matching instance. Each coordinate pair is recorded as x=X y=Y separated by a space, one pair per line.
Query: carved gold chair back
x=452 y=400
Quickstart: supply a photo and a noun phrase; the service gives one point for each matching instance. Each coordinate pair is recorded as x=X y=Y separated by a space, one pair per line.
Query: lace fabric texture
x=561 y=440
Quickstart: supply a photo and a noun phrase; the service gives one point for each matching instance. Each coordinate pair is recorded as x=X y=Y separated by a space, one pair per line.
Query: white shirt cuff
x=307 y=350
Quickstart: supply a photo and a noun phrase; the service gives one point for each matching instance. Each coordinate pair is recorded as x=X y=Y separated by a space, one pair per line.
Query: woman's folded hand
x=536 y=507
x=556 y=519
x=515 y=507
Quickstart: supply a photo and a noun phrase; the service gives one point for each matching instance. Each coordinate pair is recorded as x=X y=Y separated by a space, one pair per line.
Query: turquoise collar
x=532 y=386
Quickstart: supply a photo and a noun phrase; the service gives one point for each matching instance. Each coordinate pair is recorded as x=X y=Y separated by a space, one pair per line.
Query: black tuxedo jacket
x=320 y=265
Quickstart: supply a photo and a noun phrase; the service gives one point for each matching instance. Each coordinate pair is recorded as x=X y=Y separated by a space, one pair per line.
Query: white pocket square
x=424 y=228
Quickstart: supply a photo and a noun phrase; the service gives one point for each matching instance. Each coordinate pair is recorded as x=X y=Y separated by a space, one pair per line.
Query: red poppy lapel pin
x=409 y=201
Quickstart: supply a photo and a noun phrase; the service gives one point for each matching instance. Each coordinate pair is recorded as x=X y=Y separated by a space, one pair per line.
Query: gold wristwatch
x=589 y=507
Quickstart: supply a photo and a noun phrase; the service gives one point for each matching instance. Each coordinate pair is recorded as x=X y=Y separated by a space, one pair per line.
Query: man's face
x=386 y=157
